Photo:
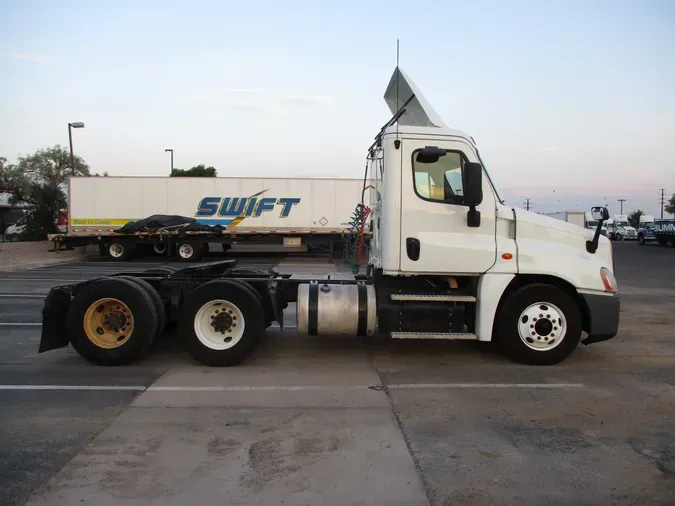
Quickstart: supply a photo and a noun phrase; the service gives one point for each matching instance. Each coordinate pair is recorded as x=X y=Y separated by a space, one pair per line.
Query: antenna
x=397 y=81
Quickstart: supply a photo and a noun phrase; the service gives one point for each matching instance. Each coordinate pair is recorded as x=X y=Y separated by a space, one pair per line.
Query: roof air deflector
x=418 y=112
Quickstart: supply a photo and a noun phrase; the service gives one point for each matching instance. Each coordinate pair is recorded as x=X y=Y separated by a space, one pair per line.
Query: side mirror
x=472 y=176
x=430 y=154
x=600 y=213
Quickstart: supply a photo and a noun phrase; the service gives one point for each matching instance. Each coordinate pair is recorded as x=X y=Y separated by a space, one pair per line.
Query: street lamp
x=170 y=151
x=75 y=124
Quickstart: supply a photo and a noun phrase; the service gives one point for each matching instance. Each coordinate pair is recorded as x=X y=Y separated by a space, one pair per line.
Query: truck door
x=435 y=236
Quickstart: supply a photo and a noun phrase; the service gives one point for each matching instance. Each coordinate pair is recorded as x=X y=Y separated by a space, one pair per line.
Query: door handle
x=412 y=247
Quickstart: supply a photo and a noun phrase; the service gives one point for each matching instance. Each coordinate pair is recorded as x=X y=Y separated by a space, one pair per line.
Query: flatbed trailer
x=191 y=214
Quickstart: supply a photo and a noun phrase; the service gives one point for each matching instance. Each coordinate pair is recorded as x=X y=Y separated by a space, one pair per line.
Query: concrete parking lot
x=339 y=422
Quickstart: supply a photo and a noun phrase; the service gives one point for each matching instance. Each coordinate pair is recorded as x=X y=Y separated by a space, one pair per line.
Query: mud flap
x=54 y=334
x=276 y=292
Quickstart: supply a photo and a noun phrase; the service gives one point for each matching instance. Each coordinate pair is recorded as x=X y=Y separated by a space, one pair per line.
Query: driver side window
x=440 y=180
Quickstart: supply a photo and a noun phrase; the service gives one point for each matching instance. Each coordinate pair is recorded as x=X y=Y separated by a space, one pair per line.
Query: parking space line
x=483 y=385
x=286 y=388
x=38 y=324
x=22 y=295
x=136 y=388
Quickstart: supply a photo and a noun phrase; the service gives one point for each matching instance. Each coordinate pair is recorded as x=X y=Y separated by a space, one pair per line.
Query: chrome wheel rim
x=542 y=326
x=219 y=324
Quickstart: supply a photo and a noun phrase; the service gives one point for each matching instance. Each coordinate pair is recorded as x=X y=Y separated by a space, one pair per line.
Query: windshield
x=622 y=224
x=592 y=223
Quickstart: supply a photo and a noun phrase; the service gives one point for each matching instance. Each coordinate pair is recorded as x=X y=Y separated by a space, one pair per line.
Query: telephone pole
x=663 y=200
x=527 y=204
x=621 y=201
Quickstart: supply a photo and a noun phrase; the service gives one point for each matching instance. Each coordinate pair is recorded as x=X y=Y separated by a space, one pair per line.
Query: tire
x=263 y=299
x=119 y=251
x=670 y=242
x=519 y=312
x=160 y=248
x=188 y=251
x=107 y=348
x=641 y=240
x=617 y=237
x=202 y=342
x=157 y=301
x=261 y=292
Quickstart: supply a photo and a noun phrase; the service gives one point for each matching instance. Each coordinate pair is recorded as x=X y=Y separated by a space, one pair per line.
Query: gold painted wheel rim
x=108 y=323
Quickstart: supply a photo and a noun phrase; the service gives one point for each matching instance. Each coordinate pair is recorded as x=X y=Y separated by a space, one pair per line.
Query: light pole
x=170 y=151
x=75 y=124
x=621 y=201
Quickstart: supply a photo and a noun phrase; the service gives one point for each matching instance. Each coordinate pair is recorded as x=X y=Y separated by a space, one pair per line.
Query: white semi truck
x=448 y=260
x=620 y=229
x=290 y=212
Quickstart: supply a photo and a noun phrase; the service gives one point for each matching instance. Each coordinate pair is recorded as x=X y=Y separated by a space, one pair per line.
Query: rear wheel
x=119 y=251
x=539 y=324
x=189 y=251
x=160 y=248
x=222 y=322
x=112 y=321
x=157 y=301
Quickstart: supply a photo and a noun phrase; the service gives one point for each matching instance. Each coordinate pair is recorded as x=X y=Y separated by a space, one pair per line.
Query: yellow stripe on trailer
x=78 y=222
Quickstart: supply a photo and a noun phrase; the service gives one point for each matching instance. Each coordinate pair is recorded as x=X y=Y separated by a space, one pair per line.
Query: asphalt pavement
x=336 y=421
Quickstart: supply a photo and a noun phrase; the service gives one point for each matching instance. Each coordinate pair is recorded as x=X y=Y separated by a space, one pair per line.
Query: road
x=341 y=422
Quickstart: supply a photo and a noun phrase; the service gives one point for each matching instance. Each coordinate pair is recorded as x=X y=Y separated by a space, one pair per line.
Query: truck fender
x=491 y=287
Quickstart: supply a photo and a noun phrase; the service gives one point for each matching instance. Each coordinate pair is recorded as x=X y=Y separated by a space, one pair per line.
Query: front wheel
x=618 y=237
x=641 y=240
x=539 y=325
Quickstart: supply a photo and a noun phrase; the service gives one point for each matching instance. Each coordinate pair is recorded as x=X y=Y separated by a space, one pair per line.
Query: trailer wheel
x=119 y=251
x=160 y=248
x=112 y=321
x=539 y=325
x=188 y=251
x=157 y=301
x=222 y=322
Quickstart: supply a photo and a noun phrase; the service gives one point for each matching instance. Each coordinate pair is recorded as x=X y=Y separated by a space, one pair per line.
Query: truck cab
x=621 y=229
x=438 y=222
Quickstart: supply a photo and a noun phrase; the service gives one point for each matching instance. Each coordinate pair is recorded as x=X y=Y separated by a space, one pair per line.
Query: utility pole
x=621 y=201
x=527 y=204
x=663 y=200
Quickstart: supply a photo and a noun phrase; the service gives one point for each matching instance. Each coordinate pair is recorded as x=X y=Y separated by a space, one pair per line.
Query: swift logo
x=231 y=211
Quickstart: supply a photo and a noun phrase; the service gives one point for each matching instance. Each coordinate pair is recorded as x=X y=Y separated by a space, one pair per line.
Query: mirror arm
x=473 y=217
x=592 y=245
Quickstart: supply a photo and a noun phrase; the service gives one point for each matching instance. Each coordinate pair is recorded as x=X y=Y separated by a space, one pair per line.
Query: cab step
x=432 y=297
x=433 y=335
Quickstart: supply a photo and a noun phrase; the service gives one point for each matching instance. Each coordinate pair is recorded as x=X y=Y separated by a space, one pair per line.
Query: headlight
x=608 y=280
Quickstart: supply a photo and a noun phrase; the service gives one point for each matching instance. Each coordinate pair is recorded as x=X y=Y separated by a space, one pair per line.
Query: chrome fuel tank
x=324 y=309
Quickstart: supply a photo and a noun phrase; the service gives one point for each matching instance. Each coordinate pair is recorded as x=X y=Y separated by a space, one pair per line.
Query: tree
x=38 y=181
x=634 y=218
x=670 y=206
x=196 y=171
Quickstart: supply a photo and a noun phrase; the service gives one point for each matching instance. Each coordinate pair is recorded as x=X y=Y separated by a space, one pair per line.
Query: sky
x=566 y=99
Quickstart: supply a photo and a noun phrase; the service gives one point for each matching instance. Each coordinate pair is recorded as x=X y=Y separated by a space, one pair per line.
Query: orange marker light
x=507 y=256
